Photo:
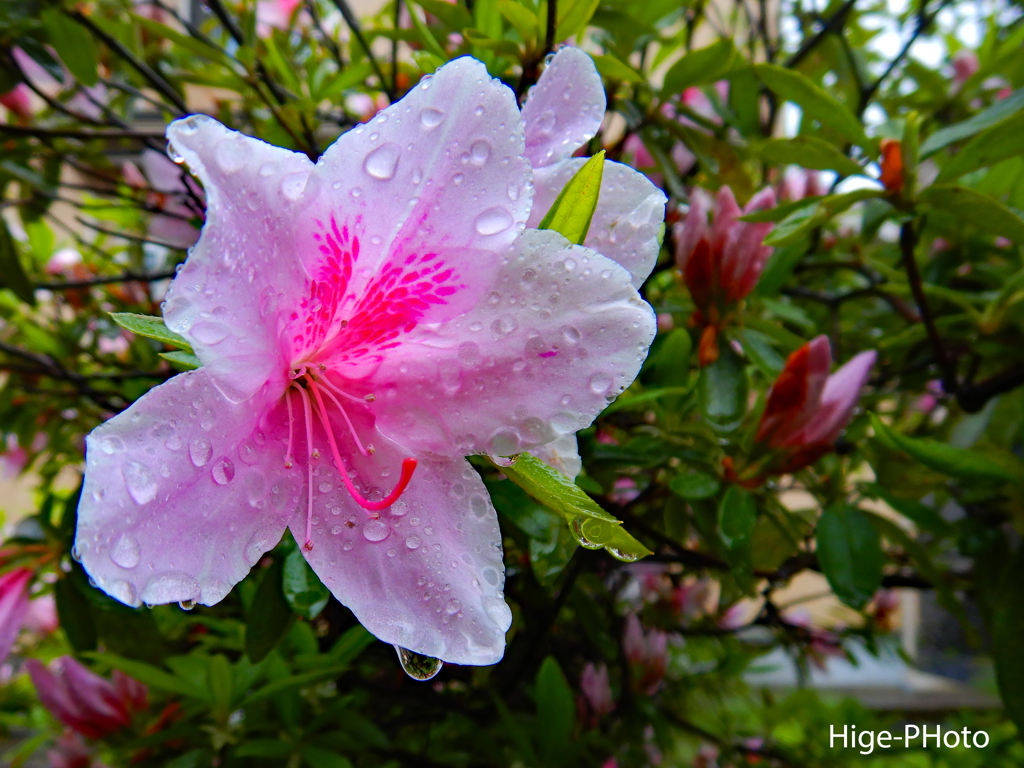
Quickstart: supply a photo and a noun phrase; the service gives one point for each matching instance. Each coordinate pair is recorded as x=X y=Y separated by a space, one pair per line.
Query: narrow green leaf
x=613 y=69
x=302 y=588
x=12 y=273
x=452 y=15
x=926 y=518
x=1007 y=631
x=573 y=17
x=75 y=614
x=556 y=712
x=482 y=40
x=985 y=119
x=943 y=457
x=317 y=757
x=426 y=36
x=809 y=152
x=278 y=687
x=591 y=525
x=183 y=361
x=73 y=44
x=152 y=328
x=737 y=516
x=975 y=209
x=703 y=66
x=695 y=485
x=815 y=102
x=520 y=17
x=152 y=676
x=987 y=148
x=218 y=682
x=573 y=209
x=850 y=554
x=268 y=617
x=723 y=390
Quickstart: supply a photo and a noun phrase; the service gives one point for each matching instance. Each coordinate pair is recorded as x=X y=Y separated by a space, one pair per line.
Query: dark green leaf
x=614 y=69
x=809 y=152
x=302 y=588
x=73 y=44
x=695 y=485
x=701 y=67
x=11 y=270
x=1007 y=631
x=998 y=112
x=152 y=676
x=452 y=15
x=75 y=614
x=850 y=554
x=218 y=682
x=322 y=758
x=556 y=709
x=268 y=617
x=975 y=210
x=723 y=390
x=574 y=207
x=737 y=515
x=943 y=457
x=987 y=148
x=573 y=17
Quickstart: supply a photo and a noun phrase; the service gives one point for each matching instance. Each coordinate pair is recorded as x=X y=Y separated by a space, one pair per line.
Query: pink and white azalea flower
x=364 y=324
x=13 y=606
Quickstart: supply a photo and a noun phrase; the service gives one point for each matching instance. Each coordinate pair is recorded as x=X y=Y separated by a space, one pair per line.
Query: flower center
x=311 y=378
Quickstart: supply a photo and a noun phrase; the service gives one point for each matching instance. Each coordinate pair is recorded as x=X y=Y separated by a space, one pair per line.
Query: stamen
x=334 y=388
x=288 y=453
x=351 y=428
x=408 y=467
x=308 y=543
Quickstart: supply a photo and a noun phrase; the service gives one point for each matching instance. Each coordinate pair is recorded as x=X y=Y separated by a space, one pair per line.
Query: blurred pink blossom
x=13 y=459
x=13 y=606
x=965 y=65
x=596 y=700
x=647 y=653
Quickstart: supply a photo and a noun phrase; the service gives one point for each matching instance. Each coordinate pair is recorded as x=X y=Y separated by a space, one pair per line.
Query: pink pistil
x=308 y=544
x=288 y=452
x=348 y=421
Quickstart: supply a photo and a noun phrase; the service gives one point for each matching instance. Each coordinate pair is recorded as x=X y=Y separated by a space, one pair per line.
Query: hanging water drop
x=416 y=665
x=382 y=162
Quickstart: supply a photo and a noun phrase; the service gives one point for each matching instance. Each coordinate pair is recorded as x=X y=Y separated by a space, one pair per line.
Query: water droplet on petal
x=413 y=542
x=480 y=151
x=416 y=665
x=292 y=185
x=492 y=221
x=497 y=610
x=223 y=471
x=431 y=117
x=376 y=530
x=268 y=169
x=600 y=383
x=230 y=155
x=140 y=480
x=572 y=334
x=126 y=553
x=546 y=122
x=187 y=605
x=382 y=162
x=170 y=587
x=200 y=450
x=262 y=541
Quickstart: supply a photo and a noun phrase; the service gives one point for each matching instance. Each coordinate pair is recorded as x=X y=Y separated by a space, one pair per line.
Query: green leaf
x=573 y=209
x=268 y=617
x=12 y=273
x=613 y=69
x=302 y=588
x=723 y=390
x=809 y=152
x=73 y=44
x=218 y=682
x=152 y=328
x=556 y=711
x=482 y=40
x=761 y=353
x=737 y=516
x=592 y=526
x=850 y=554
x=975 y=210
x=452 y=15
x=815 y=103
x=75 y=614
x=703 y=66
x=573 y=17
x=985 y=119
x=926 y=518
x=322 y=758
x=152 y=676
x=426 y=36
x=803 y=219
x=520 y=17
x=277 y=687
x=695 y=485
x=986 y=149
x=943 y=457
x=183 y=361
x=1007 y=631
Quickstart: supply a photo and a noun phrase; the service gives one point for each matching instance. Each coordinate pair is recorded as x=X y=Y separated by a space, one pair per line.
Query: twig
x=908 y=242
x=834 y=24
x=125 y=235
x=80 y=133
x=126 y=277
x=357 y=30
x=549 y=37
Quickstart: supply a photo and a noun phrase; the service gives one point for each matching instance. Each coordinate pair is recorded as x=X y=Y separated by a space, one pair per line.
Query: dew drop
x=268 y=169
x=223 y=471
x=492 y=221
x=356 y=192
x=413 y=542
x=497 y=610
x=513 y=192
x=187 y=605
x=262 y=541
x=170 y=587
x=418 y=666
x=431 y=117
x=140 y=480
x=292 y=185
x=382 y=162
x=376 y=530
x=546 y=122
x=571 y=334
x=600 y=383
x=200 y=450
x=480 y=151
x=126 y=553
x=230 y=155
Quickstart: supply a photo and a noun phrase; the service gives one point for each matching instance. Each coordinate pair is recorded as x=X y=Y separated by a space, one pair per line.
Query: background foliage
x=926 y=269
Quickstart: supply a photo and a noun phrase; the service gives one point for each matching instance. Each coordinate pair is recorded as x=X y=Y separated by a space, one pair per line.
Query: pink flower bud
x=965 y=65
x=597 y=692
x=84 y=701
x=807 y=408
x=18 y=101
x=647 y=653
x=13 y=605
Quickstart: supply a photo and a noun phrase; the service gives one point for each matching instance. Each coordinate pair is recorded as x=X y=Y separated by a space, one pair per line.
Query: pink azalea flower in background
x=965 y=65
x=808 y=408
x=41 y=616
x=596 y=700
x=13 y=459
x=722 y=263
x=13 y=606
x=274 y=14
x=170 y=193
x=71 y=751
x=18 y=101
x=820 y=643
x=364 y=324
x=364 y=106
x=647 y=653
x=84 y=701
x=798 y=183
